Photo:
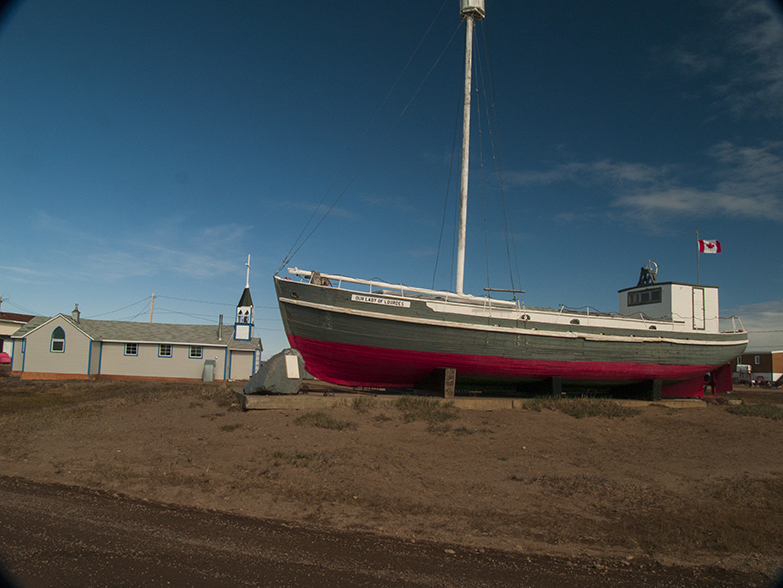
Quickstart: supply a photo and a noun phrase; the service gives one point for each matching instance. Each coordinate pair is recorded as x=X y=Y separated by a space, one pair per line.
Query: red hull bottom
x=378 y=367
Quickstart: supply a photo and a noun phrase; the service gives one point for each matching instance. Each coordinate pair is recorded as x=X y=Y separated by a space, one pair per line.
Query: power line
x=123 y=308
x=197 y=301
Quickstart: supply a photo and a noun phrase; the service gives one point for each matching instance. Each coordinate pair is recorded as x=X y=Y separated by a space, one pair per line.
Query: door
x=698 y=309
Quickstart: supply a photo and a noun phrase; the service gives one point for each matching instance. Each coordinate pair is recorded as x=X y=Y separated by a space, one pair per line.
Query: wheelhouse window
x=164 y=350
x=195 y=352
x=131 y=349
x=58 y=341
x=650 y=296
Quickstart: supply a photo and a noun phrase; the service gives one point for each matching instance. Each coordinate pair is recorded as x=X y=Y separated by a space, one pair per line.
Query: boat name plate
x=382 y=301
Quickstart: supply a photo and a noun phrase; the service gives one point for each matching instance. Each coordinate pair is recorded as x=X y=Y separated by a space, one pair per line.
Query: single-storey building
x=69 y=347
x=9 y=324
x=759 y=364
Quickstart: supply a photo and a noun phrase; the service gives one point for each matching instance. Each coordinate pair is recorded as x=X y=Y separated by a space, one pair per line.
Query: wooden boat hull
x=374 y=341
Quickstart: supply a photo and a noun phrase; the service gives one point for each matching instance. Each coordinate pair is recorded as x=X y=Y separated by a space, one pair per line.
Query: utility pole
x=152 y=305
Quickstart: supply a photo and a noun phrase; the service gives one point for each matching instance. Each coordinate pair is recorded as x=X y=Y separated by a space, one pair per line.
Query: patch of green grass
x=583 y=407
x=323 y=421
x=430 y=410
x=767 y=411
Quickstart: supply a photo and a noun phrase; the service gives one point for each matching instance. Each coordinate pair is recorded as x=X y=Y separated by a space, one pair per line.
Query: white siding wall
x=658 y=310
x=38 y=357
x=677 y=301
x=682 y=304
x=712 y=310
x=147 y=363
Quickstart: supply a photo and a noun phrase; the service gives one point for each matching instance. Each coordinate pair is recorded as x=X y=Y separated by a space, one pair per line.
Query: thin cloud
x=397 y=203
x=21 y=270
x=749 y=56
x=427 y=252
x=692 y=62
x=746 y=183
x=603 y=171
x=764 y=323
x=694 y=202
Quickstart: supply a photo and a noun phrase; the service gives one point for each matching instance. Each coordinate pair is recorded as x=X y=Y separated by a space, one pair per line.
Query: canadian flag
x=709 y=246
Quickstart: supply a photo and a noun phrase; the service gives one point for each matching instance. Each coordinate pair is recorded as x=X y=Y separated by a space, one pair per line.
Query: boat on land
x=666 y=337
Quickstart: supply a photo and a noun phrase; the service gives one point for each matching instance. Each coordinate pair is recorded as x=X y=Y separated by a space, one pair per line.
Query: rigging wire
x=446 y=200
x=294 y=248
x=499 y=167
x=485 y=86
x=480 y=77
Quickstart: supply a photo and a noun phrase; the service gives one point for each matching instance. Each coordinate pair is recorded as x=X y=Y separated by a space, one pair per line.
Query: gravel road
x=56 y=535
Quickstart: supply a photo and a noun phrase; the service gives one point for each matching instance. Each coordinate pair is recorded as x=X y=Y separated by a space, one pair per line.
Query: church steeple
x=243 y=325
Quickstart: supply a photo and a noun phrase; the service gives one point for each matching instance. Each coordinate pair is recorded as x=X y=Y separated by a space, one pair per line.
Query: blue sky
x=150 y=146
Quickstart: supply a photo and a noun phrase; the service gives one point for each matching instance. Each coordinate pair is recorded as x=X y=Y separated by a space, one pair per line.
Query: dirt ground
x=697 y=486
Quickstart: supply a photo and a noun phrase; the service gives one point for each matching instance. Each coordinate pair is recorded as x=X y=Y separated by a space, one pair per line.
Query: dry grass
x=735 y=516
x=323 y=421
x=767 y=411
x=18 y=396
x=582 y=407
x=363 y=404
x=430 y=410
x=596 y=507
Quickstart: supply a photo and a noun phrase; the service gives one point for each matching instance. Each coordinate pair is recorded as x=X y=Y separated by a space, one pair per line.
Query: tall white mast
x=471 y=10
x=247 y=280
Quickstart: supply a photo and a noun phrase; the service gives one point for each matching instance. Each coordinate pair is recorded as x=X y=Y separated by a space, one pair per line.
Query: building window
x=164 y=350
x=195 y=352
x=58 y=340
x=651 y=296
x=131 y=349
x=757 y=360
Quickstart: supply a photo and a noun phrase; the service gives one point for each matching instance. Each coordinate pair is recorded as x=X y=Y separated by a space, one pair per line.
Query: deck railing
x=533 y=314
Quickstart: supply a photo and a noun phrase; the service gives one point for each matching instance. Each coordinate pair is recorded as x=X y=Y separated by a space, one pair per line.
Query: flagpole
x=697 y=256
